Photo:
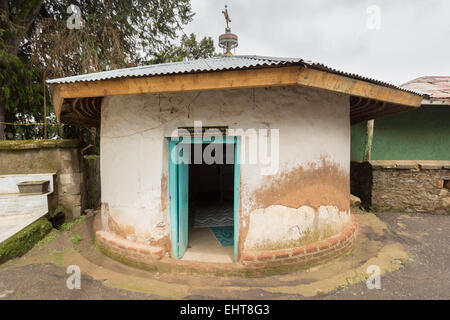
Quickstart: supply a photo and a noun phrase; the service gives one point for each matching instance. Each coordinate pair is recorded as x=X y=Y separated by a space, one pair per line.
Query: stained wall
x=306 y=199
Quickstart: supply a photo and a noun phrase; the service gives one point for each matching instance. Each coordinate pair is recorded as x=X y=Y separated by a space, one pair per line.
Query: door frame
x=173 y=188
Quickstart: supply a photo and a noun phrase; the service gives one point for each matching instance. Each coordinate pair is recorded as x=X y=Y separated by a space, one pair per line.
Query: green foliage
x=24 y=240
x=21 y=95
x=189 y=49
x=76 y=238
x=48 y=239
x=113 y=34
x=36 y=44
x=68 y=225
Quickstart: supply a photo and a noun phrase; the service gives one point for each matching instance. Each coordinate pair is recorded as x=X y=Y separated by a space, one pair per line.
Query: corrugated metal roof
x=438 y=88
x=220 y=63
x=192 y=66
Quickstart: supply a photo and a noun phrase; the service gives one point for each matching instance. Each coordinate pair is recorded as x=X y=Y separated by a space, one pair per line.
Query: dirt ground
x=412 y=252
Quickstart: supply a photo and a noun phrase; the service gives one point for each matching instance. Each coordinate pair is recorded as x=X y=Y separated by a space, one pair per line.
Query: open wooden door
x=183 y=206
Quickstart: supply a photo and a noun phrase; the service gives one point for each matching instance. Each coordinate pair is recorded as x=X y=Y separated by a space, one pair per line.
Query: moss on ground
x=24 y=240
x=76 y=238
x=67 y=226
x=45 y=241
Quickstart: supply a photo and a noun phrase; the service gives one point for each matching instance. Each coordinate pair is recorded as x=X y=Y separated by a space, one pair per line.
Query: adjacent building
x=409 y=165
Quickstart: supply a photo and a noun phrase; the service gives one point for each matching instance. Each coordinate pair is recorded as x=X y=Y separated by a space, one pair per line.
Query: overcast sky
x=413 y=38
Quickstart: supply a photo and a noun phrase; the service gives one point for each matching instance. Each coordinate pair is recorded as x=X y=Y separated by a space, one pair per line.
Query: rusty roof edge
x=243 y=62
x=322 y=67
x=259 y=62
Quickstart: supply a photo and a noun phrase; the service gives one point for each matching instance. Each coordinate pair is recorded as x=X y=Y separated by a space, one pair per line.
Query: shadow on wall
x=361 y=182
x=92 y=180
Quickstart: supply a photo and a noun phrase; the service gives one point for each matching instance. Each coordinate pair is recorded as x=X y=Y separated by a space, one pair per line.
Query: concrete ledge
x=410 y=164
x=38 y=144
x=24 y=240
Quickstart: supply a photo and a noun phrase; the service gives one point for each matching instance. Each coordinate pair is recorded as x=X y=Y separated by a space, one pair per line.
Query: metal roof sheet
x=219 y=63
x=438 y=88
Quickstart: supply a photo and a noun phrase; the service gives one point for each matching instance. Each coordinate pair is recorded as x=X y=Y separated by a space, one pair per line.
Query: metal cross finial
x=227 y=17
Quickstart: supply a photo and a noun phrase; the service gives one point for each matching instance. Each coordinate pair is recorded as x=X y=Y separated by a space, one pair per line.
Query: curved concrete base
x=375 y=244
x=252 y=263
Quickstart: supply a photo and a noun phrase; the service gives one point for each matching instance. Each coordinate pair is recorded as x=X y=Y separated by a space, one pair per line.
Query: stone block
x=69 y=200
x=71 y=178
x=72 y=188
x=430 y=166
x=76 y=212
x=65 y=179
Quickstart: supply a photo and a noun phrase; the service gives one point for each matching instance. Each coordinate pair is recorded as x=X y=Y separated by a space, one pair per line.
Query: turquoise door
x=179 y=195
x=183 y=206
x=237 y=177
x=173 y=197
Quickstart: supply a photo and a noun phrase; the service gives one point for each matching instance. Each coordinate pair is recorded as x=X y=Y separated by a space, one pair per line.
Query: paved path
x=48 y=281
x=426 y=237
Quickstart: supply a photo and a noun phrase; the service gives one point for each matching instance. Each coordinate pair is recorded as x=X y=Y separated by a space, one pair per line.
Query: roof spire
x=227 y=18
x=228 y=40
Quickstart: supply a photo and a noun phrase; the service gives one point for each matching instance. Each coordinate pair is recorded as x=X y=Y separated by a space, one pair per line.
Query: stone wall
x=410 y=186
x=62 y=157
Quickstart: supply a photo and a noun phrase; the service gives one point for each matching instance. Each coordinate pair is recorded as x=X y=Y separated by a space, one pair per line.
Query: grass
x=49 y=238
x=76 y=238
x=66 y=226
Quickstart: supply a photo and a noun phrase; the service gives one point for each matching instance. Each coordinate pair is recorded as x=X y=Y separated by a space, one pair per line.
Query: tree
x=16 y=18
x=188 y=49
x=21 y=94
x=113 y=34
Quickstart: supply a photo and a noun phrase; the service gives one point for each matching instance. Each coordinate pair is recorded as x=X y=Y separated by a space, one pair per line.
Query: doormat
x=213 y=214
x=224 y=235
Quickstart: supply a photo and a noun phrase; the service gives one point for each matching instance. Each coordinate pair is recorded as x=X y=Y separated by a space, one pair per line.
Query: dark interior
x=210 y=185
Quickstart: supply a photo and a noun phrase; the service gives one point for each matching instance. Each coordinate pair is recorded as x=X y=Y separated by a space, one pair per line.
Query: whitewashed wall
x=314 y=125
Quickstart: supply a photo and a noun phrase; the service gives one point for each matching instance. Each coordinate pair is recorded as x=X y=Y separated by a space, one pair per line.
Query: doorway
x=204 y=200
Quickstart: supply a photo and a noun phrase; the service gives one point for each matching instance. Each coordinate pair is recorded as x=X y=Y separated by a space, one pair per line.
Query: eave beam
x=220 y=80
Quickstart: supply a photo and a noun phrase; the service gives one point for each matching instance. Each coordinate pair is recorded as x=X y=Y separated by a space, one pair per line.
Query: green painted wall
x=422 y=134
x=358 y=136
